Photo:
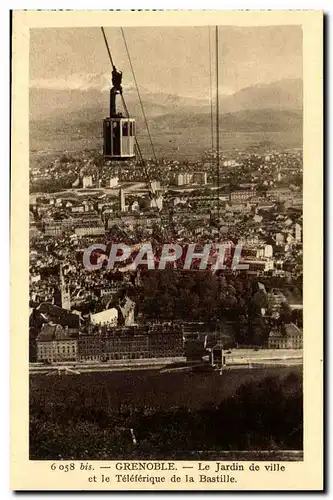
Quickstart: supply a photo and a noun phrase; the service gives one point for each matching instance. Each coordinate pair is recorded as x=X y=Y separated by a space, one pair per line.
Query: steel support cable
x=211 y=91
x=136 y=141
x=139 y=96
x=126 y=110
x=107 y=47
x=142 y=161
x=218 y=151
x=144 y=117
x=217 y=123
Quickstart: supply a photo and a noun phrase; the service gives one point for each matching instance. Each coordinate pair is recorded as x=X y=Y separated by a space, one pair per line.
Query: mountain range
x=72 y=117
x=90 y=103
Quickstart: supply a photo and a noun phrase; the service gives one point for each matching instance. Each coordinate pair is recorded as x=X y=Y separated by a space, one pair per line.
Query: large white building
x=298 y=232
x=241 y=195
x=291 y=338
x=183 y=178
x=89 y=230
x=265 y=252
x=156 y=203
x=55 y=343
x=108 y=317
x=155 y=185
x=258 y=265
x=87 y=181
x=113 y=182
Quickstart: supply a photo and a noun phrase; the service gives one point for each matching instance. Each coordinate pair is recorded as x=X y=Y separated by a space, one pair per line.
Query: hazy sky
x=167 y=59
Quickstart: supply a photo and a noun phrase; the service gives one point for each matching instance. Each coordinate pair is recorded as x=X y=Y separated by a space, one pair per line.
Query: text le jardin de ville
x=157 y=473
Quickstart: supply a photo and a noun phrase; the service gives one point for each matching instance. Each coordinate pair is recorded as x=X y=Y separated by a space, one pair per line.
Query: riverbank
x=109 y=366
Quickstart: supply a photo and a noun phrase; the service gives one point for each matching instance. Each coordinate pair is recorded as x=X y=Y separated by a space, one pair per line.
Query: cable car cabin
x=118 y=131
x=119 y=138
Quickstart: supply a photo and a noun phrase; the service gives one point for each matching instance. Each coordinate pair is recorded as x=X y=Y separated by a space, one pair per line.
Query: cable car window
x=116 y=139
x=125 y=129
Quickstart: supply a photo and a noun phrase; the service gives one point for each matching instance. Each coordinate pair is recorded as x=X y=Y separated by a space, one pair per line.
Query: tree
x=285 y=313
x=258 y=302
x=258 y=331
x=242 y=330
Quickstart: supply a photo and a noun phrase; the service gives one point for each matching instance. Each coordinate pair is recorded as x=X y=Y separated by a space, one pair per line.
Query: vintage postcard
x=167 y=242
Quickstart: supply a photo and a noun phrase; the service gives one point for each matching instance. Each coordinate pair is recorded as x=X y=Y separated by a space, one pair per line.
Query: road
x=264 y=357
x=237 y=358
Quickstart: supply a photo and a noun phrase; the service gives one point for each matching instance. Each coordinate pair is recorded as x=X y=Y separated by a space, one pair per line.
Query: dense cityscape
x=155 y=354
x=258 y=206
x=170 y=320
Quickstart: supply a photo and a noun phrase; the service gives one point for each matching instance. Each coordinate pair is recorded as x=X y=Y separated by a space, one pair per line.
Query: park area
x=172 y=415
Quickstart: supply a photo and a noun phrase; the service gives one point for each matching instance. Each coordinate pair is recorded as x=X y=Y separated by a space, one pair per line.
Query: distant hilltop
x=88 y=96
x=72 y=119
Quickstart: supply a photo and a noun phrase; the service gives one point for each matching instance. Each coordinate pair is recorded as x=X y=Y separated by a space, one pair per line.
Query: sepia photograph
x=165 y=249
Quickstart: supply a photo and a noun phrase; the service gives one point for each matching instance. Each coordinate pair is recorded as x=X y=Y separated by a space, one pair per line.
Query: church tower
x=65 y=293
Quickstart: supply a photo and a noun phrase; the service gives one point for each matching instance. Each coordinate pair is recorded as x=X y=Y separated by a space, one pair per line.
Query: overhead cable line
x=217 y=123
x=107 y=47
x=139 y=96
x=141 y=159
x=211 y=89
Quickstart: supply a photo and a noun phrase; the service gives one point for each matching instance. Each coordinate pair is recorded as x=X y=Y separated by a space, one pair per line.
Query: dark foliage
x=264 y=414
x=207 y=297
